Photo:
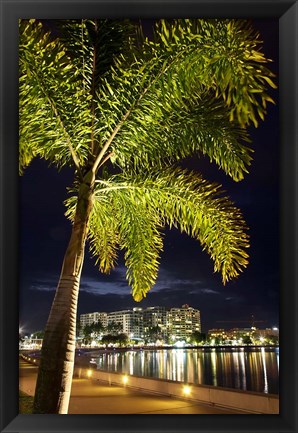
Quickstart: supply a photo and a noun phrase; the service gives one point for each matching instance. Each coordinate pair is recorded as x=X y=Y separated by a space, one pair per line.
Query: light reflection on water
x=247 y=369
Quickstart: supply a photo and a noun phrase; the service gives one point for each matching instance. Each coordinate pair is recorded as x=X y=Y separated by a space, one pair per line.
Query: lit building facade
x=183 y=322
x=149 y=324
x=131 y=321
x=89 y=318
x=238 y=335
x=267 y=332
x=155 y=319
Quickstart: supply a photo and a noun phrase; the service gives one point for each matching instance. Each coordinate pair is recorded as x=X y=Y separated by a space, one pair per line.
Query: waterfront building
x=228 y=335
x=267 y=332
x=240 y=335
x=213 y=333
x=130 y=321
x=268 y=335
x=137 y=325
x=155 y=323
x=183 y=322
x=89 y=318
x=218 y=334
x=150 y=324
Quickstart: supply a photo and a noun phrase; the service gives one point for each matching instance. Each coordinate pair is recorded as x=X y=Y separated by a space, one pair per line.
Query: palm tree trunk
x=58 y=350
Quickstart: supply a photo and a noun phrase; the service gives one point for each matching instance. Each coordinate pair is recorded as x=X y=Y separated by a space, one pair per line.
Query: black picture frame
x=287 y=13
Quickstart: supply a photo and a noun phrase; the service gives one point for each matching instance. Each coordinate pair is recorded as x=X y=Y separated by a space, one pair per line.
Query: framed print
x=148 y=246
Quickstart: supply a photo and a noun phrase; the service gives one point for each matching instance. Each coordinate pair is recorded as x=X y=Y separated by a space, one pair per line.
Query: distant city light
x=89 y=373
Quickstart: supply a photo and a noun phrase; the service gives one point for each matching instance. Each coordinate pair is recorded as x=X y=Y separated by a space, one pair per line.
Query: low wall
x=247 y=401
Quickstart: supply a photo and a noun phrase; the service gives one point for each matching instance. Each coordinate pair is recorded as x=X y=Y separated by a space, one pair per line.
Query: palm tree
x=122 y=110
x=114 y=328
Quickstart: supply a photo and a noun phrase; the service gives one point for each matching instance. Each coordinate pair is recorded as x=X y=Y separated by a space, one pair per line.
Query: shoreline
x=140 y=348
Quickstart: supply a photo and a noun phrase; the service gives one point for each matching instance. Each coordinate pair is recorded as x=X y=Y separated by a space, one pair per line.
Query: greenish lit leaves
x=131 y=211
x=97 y=90
x=54 y=113
x=161 y=137
x=201 y=80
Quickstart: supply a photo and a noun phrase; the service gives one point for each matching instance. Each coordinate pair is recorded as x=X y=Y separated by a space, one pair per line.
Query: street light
x=186 y=390
x=125 y=380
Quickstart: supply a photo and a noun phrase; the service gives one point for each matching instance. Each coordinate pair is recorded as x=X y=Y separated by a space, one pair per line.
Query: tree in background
x=197 y=337
x=153 y=333
x=87 y=331
x=114 y=328
x=92 y=332
x=119 y=339
x=246 y=339
x=123 y=111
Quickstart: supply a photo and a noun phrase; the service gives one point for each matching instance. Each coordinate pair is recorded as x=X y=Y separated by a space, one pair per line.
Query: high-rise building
x=89 y=318
x=137 y=328
x=155 y=322
x=182 y=322
x=150 y=324
x=131 y=321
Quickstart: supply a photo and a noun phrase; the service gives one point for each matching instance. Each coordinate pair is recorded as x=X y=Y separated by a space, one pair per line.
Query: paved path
x=91 y=397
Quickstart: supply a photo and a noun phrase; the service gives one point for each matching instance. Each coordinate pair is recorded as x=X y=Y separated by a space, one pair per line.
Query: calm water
x=248 y=369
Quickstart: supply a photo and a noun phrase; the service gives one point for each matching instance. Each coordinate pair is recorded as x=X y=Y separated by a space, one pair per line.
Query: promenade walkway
x=91 y=397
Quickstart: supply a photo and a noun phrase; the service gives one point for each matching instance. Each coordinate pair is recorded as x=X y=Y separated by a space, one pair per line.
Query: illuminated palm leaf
x=142 y=205
x=181 y=86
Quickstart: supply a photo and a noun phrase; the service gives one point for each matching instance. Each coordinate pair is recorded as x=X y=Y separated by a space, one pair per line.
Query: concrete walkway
x=91 y=397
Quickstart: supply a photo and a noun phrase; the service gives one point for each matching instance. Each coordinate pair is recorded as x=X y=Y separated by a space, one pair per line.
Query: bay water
x=250 y=369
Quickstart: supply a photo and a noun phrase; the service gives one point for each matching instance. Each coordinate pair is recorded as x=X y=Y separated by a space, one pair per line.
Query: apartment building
x=151 y=323
x=89 y=318
x=131 y=321
x=182 y=322
x=155 y=319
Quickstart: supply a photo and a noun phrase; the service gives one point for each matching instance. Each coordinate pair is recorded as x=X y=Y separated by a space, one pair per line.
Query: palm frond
x=102 y=230
x=140 y=237
x=54 y=113
x=95 y=45
x=230 y=62
x=171 y=78
x=103 y=235
x=121 y=221
x=101 y=90
x=144 y=205
x=155 y=137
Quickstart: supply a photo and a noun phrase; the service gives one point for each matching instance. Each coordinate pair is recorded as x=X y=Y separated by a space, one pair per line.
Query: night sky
x=186 y=273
